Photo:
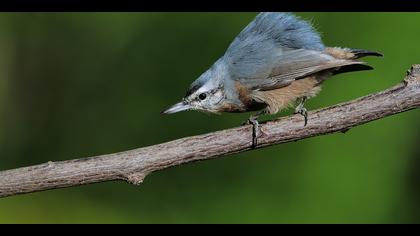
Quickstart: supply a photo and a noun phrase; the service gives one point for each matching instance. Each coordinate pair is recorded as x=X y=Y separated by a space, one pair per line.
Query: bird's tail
x=358 y=53
x=351 y=55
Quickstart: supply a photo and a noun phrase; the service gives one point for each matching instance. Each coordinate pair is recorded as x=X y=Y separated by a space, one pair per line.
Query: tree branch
x=134 y=165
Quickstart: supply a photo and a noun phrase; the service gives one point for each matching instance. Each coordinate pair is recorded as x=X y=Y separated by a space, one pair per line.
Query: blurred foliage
x=82 y=84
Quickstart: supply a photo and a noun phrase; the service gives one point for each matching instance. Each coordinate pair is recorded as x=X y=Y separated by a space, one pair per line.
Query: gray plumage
x=275 y=49
x=270 y=53
x=282 y=29
x=272 y=41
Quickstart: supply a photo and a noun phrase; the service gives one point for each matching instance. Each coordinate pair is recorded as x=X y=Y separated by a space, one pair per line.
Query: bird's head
x=205 y=94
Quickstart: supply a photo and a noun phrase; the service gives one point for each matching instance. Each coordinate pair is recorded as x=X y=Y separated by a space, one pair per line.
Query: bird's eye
x=202 y=96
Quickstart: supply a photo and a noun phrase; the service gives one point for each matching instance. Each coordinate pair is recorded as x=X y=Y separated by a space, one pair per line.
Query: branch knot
x=135 y=178
x=413 y=74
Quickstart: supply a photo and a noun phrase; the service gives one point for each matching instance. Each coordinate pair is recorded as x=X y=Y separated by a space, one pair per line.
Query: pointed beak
x=181 y=106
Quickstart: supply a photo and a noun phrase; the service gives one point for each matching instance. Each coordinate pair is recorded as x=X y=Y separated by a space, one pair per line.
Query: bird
x=276 y=62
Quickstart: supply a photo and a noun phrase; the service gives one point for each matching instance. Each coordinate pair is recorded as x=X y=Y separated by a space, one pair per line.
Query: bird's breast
x=244 y=101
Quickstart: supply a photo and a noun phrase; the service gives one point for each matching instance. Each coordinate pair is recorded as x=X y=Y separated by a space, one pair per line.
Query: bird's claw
x=304 y=113
x=255 y=131
x=300 y=109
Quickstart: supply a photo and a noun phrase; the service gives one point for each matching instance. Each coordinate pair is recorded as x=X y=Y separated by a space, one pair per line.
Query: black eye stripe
x=192 y=90
x=206 y=94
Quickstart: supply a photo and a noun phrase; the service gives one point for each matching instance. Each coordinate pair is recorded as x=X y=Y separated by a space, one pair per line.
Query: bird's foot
x=300 y=109
x=253 y=120
x=255 y=129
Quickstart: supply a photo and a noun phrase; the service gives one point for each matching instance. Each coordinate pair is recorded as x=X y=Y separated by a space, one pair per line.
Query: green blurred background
x=82 y=84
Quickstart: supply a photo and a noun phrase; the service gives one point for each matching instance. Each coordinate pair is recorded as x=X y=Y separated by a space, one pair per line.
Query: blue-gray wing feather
x=274 y=50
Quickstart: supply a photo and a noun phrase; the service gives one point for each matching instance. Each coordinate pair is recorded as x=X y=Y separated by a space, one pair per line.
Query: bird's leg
x=253 y=119
x=300 y=109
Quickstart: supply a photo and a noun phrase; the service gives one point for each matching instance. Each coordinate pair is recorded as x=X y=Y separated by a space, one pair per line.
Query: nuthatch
x=278 y=60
